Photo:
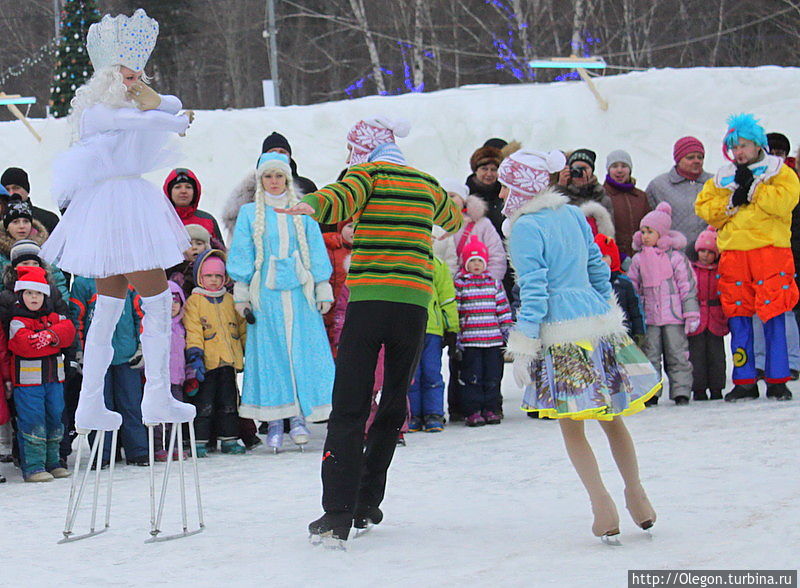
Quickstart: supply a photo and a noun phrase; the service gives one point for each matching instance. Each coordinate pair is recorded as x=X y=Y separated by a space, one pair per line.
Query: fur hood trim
x=601 y=216
x=38 y=234
x=476 y=207
x=672 y=240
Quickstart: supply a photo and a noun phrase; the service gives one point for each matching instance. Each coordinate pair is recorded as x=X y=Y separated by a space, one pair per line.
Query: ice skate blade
x=611 y=540
x=328 y=541
x=364 y=530
x=71 y=538
x=158 y=538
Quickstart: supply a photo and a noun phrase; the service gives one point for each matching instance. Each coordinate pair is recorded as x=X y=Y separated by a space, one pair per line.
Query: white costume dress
x=117 y=222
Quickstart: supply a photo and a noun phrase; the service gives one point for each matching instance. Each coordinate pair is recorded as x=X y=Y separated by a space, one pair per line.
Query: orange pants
x=759 y=281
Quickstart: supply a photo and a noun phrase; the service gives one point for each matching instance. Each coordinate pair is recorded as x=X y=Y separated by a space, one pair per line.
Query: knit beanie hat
x=389 y=153
x=198 y=233
x=686 y=145
x=609 y=247
x=369 y=133
x=495 y=142
x=778 y=141
x=24 y=250
x=660 y=219
x=585 y=155
x=17 y=208
x=485 y=156
x=474 y=249
x=32 y=278
x=17 y=176
x=619 y=156
x=707 y=240
x=273 y=162
x=526 y=173
x=744 y=126
x=275 y=141
x=455 y=186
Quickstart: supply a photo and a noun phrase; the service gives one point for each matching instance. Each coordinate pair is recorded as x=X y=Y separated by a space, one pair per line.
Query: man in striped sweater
x=394 y=207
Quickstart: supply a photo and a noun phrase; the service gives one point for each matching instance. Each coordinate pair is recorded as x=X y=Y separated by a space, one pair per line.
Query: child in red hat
x=485 y=319
x=37 y=336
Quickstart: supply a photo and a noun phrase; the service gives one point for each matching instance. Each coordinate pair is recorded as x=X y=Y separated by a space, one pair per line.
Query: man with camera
x=578 y=182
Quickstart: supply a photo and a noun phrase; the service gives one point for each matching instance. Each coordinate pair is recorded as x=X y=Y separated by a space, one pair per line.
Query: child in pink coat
x=706 y=343
x=665 y=283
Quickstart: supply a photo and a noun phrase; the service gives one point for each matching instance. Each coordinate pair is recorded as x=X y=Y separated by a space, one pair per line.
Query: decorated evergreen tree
x=73 y=67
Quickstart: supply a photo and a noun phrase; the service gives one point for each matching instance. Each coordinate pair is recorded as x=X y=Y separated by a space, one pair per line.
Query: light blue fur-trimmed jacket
x=565 y=289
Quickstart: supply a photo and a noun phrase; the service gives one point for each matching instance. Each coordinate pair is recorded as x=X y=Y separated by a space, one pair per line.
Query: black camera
x=576 y=171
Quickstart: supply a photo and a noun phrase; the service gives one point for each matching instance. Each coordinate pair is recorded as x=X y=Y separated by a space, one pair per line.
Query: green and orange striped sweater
x=394 y=208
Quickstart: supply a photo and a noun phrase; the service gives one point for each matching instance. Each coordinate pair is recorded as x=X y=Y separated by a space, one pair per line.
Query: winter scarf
x=621 y=186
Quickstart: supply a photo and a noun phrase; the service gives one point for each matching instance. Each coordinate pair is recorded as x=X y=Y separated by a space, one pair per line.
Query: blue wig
x=745 y=126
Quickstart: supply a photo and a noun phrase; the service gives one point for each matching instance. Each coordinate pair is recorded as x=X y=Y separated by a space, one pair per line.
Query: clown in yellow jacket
x=750 y=203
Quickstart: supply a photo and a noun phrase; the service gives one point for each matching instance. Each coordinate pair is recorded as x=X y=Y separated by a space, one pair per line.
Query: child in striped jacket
x=485 y=319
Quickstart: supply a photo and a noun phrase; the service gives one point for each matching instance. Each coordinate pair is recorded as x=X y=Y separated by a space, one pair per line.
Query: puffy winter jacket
x=711 y=315
x=766 y=220
x=177 y=350
x=630 y=206
x=126 y=335
x=483 y=310
x=442 y=309
x=680 y=193
x=32 y=366
x=213 y=326
x=675 y=298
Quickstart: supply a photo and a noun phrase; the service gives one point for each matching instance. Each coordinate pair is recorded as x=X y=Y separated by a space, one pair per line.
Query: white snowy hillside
x=648 y=111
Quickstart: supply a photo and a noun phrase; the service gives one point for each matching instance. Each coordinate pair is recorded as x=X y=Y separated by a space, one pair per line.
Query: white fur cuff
x=520 y=344
x=241 y=292
x=323 y=292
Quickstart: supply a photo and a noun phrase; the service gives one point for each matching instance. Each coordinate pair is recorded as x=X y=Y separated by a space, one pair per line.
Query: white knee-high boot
x=92 y=413
x=158 y=404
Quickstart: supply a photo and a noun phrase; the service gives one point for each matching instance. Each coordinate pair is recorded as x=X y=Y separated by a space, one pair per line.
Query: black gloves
x=739 y=197
x=744 y=179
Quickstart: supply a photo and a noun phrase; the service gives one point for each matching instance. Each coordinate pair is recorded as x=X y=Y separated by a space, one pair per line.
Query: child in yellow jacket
x=750 y=203
x=215 y=339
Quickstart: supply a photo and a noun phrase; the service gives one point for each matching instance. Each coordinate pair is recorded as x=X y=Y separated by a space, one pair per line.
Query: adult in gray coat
x=679 y=188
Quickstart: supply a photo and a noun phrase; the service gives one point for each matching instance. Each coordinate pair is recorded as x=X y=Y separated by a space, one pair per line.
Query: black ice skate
x=365 y=518
x=742 y=392
x=331 y=530
x=778 y=392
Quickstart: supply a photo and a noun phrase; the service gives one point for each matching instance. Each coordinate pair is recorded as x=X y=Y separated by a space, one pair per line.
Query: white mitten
x=144 y=96
x=241 y=298
x=323 y=294
x=522 y=370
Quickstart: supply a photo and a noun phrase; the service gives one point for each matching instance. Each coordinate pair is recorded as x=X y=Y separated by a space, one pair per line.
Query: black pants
x=481 y=372
x=454 y=388
x=72 y=389
x=351 y=473
x=217 y=402
x=707 y=355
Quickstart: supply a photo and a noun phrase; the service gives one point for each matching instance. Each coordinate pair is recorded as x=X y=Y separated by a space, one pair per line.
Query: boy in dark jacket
x=623 y=288
x=36 y=337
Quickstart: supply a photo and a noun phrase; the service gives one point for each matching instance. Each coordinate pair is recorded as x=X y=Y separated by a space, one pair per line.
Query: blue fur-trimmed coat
x=565 y=289
x=288 y=364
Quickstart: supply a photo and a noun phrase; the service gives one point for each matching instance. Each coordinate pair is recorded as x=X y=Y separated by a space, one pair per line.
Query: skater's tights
x=582 y=458
x=623 y=450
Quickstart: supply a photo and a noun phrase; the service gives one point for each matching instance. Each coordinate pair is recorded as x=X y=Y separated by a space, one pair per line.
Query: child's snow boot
x=434 y=423
x=778 y=392
x=232 y=446
x=40 y=477
x=415 y=424
x=200 y=448
x=699 y=395
x=715 y=395
x=475 y=420
x=491 y=417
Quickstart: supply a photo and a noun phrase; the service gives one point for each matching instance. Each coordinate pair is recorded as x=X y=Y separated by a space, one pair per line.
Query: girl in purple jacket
x=665 y=282
x=706 y=344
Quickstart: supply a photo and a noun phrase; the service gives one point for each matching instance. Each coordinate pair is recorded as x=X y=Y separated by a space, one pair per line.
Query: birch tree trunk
x=361 y=17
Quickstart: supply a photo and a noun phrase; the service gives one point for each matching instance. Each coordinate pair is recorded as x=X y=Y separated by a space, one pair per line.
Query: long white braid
x=259 y=226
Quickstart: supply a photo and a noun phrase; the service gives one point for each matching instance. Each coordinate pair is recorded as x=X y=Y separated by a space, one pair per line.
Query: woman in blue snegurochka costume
x=572 y=353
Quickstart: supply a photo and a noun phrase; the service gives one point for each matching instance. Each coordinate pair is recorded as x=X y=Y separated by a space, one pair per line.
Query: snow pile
x=648 y=111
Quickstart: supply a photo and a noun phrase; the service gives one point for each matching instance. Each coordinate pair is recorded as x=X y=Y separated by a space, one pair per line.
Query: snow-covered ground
x=497 y=505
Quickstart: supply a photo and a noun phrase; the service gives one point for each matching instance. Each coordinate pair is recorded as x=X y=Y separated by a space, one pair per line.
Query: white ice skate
x=298 y=432
x=159 y=407
x=275 y=435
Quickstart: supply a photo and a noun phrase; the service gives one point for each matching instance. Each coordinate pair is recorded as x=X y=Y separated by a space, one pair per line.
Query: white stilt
x=76 y=497
x=157 y=513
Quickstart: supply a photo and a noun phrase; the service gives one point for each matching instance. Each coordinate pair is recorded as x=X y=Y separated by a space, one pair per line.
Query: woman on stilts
x=118 y=228
x=572 y=352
